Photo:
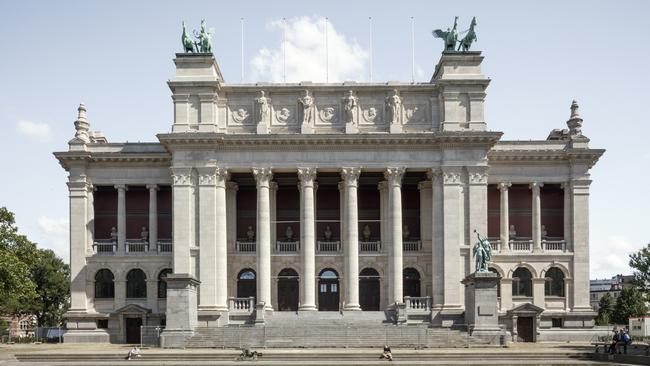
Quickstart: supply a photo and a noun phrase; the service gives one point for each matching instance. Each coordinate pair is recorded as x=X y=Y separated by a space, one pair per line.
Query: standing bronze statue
x=482 y=252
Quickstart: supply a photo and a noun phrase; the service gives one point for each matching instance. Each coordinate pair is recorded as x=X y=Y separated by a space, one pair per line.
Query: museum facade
x=314 y=198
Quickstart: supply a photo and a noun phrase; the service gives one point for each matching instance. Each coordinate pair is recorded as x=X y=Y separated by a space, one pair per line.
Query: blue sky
x=116 y=56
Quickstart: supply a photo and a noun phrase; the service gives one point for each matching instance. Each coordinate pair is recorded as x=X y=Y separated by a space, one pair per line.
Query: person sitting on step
x=386 y=354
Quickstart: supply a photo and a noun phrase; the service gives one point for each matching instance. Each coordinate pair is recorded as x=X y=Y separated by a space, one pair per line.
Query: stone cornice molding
x=394 y=176
x=586 y=156
x=350 y=176
x=307 y=176
x=263 y=176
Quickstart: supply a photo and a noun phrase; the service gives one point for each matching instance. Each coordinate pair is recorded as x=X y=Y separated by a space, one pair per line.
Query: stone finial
x=81 y=125
x=575 y=122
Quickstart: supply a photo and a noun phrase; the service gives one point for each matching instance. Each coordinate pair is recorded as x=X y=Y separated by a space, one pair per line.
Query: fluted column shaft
x=351 y=236
x=307 y=238
x=504 y=217
x=263 y=178
x=153 y=216
x=121 y=217
x=221 y=277
x=537 y=216
x=394 y=178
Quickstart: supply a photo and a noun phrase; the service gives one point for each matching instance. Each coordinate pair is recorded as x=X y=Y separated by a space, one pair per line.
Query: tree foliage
x=640 y=263
x=630 y=303
x=605 y=309
x=32 y=280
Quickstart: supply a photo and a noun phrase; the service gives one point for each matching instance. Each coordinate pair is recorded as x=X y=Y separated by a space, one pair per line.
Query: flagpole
x=370 y=42
x=284 y=49
x=412 y=50
x=241 y=20
x=327 y=54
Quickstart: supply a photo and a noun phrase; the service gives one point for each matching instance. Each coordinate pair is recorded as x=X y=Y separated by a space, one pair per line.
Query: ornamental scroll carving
x=182 y=179
x=478 y=177
x=240 y=115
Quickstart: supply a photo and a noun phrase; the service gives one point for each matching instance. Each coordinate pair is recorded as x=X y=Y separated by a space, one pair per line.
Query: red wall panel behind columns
x=105 y=205
x=552 y=202
x=520 y=199
x=493 y=211
x=328 y=212
x=287 y=209
x=137 y=211
x=246 y=210
x=164 y=199
x=411 y=210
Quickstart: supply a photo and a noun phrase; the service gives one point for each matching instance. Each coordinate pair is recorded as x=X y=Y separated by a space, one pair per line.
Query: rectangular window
x=102 y=323
x=323 y=288
x=334 y=287
x=556 y=322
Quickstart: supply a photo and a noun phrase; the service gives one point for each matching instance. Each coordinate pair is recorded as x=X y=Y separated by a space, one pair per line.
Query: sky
x=116 y=56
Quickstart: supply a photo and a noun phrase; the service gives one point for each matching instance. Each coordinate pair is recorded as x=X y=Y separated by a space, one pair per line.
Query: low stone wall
x=572 y=335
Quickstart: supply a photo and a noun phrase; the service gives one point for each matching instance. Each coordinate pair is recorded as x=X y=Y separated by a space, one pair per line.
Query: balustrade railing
x=411 y=245
x=165 y=246
x=328 y=246
x=287 y=246
x=240 y=305
x=245 y=246
x=495 y=244
x=136 y=246
x=104 y=247
x=521 y=245
x=422 y=303
x=370 y=246
x=554 y=245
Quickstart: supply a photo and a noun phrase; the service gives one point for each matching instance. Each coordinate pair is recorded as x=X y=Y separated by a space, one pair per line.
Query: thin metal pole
x=241 y=20
x=412 y=50
x=370 y=42
x=284 y=50
x=327 y=54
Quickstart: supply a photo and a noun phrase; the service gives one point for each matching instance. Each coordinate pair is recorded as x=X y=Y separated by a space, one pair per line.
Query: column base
x=307 y=308
x=352 y=307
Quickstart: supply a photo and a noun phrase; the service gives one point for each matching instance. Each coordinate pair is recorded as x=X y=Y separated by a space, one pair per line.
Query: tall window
x=522 y=283
x=136 y=284
x=162 y=285
x=498 y=280
x=104 y=284
x=554 y=285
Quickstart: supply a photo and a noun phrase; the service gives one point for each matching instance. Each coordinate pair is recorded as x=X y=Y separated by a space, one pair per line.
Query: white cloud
x=305 y=54
x=35 y=130
x=612 y=258
x=54 y=231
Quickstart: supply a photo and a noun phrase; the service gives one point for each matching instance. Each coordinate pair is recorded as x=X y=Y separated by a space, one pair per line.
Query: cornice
x=67 y=158
x=588 y=156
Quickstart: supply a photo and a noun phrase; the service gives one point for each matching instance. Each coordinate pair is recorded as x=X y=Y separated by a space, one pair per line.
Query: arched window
x=162 y=285
x=136 y=284
x=554 y=285
x=104 y=284
x=246 y=283
x=522 y=283
x=498 y=280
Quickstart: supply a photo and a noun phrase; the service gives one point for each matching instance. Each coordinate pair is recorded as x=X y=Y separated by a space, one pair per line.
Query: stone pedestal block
x=181 y=309
x=481 y=313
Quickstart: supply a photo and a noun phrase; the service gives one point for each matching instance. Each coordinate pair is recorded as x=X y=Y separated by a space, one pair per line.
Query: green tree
x=605 y=309
x=630 y=303
x=640 y=263
x=52 y=279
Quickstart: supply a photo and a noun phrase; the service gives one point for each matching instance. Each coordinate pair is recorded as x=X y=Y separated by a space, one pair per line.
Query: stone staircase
x=326 y=330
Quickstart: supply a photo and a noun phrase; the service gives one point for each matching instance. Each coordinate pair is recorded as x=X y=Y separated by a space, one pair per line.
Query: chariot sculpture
x=450 y=37
x=203 y=43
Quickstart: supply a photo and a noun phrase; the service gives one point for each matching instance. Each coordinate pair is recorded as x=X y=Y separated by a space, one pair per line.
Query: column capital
x=182 y=176
x=233 y=186
x=434 y=174
x=211 y=176
x=535 y=185
x=503 y=186
x=263 y=176
x=307 y=176
x=425 y=184
x=350 y=175
x=382 y=185
x=451 y=175
x=154 y=187
x=121 y=187
x=394 y=175
x=477 y=177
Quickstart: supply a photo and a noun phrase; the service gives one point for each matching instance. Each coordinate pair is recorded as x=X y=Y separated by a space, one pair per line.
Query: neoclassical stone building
x=347 y=198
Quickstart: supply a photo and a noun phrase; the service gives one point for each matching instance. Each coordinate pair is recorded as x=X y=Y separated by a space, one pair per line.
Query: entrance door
x=369 y=290
x=411 y=282
x=133 y=330
x=246 y=283
x=288 y=292
x=525 y=329
x=328 y=290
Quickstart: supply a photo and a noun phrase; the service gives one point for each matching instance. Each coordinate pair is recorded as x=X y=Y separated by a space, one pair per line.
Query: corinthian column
x=263 y=178
x=153 y=216
x=307 y=238
x=537 y=216
x=351 y=238
x=504 y=216
x=121 y=217
x=394 y=178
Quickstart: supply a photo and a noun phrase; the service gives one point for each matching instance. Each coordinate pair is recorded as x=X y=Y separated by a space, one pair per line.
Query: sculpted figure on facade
x=263 y=107
x=188 y=44
x=204 y=37
x=250 y=234
x=482 y=252
x=289 y=233
x=307 y=102
x=144 y=234
x=406 y=233
x=349 y=106
x=512 y=232
x=393 y=104
x=113 y=234
x=450 y=37
x=327 y=234
x=366 y=233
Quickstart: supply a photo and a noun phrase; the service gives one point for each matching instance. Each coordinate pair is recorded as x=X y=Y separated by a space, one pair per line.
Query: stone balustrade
x=164 y=246
x=526 y=245
x=521 y=245
x=104 y=247
x=421 y=303
x=245 y=246
x=241 y=305
x=136 y=246
x=329 y=246
x=554 y=245
x=287 y=246
x=412 y=245
x=370 y=246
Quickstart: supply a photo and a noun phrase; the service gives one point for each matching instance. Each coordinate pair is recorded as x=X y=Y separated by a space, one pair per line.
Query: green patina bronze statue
x=469 y=38
x=482 y=252
x=204 y=37
x=450 y=37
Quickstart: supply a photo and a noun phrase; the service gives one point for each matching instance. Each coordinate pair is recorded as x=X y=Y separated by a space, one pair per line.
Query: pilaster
x=182 y=218
x=477 y=203
x=538 y=292
x=78 y=193
x=580 y=240
x=207 y=237
x=451 y=236
x=437 y=240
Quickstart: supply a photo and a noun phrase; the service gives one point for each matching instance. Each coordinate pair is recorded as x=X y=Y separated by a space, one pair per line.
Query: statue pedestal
x=181 y=311
x=481 y=313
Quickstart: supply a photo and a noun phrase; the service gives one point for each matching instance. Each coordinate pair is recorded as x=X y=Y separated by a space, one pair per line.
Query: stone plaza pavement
x=517 y=354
